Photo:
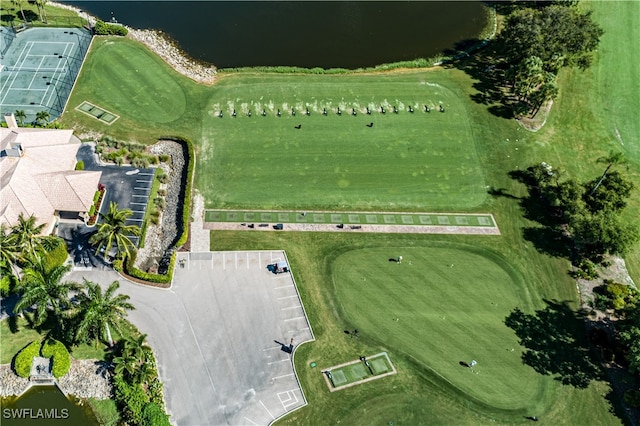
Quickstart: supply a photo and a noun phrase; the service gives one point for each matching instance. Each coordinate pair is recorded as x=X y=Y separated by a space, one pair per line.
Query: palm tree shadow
x=555 y=343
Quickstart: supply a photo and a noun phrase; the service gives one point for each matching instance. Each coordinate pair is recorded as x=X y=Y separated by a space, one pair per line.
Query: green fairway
x=405 y=160
x=442 y=306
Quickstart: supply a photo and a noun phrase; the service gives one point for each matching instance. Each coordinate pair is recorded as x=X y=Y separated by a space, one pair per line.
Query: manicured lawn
x=404 y=161
x=488 y=281
x=441 y=314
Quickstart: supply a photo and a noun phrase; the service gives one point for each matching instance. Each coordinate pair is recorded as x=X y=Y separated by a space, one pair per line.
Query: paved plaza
x=222 y=335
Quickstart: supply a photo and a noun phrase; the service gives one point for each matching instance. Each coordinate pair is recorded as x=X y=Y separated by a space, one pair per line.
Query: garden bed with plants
x=94 y=211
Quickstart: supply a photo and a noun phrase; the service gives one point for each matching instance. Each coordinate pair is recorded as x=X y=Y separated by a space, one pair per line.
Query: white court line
x=282 y=377
x=273 y=418
x=284 y=286
x=275 y=362
x=251 y=421
x=293 y=319
x=287 y=297
x=293 y=307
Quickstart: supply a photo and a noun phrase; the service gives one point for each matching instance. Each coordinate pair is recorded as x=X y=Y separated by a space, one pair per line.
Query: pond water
x=45 y=405
x=327 y=34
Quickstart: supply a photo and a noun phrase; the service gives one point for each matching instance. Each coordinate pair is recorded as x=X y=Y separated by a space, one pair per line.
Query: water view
x=346 y=34
x=45 y=405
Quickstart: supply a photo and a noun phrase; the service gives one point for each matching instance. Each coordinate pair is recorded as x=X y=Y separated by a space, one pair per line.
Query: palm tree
x=27 y=236
x=136 y=360
x=113 y=230
x=612 y=159
x=19 y=3
x=45 y=289
x=42 y=118
x=20 y=116
x=100 y=312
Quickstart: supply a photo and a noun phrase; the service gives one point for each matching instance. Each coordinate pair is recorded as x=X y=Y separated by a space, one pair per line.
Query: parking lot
x=127 y=186
x=222 y=336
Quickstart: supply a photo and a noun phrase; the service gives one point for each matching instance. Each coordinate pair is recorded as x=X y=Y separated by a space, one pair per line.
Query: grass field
x=405 y=161
x=264 y=163
x=441 y=314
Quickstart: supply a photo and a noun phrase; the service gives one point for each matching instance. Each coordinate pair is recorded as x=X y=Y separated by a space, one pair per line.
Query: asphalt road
x=221 y=336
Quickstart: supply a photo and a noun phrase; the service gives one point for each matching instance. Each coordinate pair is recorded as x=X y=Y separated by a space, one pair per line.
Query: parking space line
x=139 y=204
x=275 y=362
x=145 y=174
x=287 y=297
x=141 y=196
x=284 y=286
x=293 y=307
x=251 y=421
x=282 y=377
x=270 y=349
x=293 y=319
x=144 y=181
x=135 y=220
x=141 y=189
x=273 y=418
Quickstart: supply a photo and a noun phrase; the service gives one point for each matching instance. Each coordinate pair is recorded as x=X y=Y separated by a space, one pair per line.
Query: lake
x=345 y=34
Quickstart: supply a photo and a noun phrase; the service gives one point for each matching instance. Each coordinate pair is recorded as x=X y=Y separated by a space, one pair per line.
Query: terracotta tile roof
x=42 y=180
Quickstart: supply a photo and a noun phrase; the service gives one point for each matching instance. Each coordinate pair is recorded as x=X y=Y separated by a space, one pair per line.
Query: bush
x=23 y=359
x=57 y=256
x=131 y=399
x=162 y=176
x=153 y=415
x=80 y=165
x=632 y=398
x=165 y=158
x=103 y=28
x=162 y=192
x=59 y=355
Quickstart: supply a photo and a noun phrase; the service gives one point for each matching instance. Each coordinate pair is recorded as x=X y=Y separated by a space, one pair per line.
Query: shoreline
x=162 y=46
x=205 y=73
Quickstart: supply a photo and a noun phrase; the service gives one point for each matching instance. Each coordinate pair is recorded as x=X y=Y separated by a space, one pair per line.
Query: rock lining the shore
x=87 y=378
x=159 y=44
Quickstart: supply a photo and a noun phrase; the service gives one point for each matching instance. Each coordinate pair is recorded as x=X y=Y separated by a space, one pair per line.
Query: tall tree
x=20 y=3
x=113 y=230
x=42 y=118
x=559 y=35
x=100 y=312
x=45 y=289
x=136 y=360
x=20 y=116
x=610 y=160
x=27 y=236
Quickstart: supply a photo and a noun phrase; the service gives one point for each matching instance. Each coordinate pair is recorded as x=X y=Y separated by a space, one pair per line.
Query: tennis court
x=38 y=69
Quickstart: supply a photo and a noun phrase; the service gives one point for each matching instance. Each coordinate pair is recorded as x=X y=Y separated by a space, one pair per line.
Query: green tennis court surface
x=356 y=218
x=39 y=68
x=358 y=371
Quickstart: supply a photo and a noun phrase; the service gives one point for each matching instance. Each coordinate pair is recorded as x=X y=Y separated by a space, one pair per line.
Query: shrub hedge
x=23 y=359
x=103 y=28
x=80 y=165
x=154 y=415
x=61 y=359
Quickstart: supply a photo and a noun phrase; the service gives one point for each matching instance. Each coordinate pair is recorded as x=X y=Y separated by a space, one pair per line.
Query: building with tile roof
x=37 y=176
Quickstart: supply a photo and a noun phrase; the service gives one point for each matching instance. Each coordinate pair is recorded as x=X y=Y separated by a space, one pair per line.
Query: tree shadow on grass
x=555 y=343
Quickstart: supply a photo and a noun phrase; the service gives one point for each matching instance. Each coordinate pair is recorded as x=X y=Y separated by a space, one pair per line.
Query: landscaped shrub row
x=23 y=359
x=138 y=407
x=103 y=28
x=118 y=151
x=61 y=359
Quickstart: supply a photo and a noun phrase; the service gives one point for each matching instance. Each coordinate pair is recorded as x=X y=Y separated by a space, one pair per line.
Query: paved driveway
x=221 y=335
x=127 y=186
